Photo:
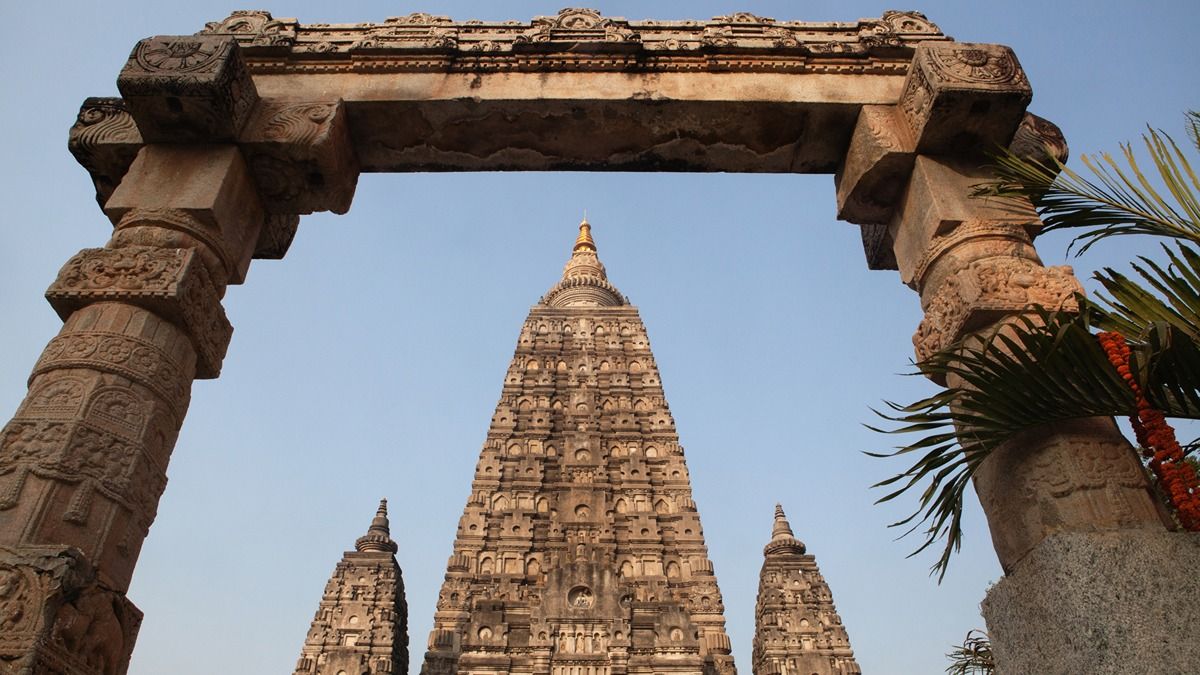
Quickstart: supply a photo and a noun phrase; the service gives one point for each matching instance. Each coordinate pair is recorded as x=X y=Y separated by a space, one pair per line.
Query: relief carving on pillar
x=172 y=283
x=962 y=97
x=969 y=241
x=104 y=140
x=276 y=235
x=56 y=618
x=187 y=88
x=302 y=156
x=1076 y=475
x=177 y=228
x=1038 y=137
x=986 y=290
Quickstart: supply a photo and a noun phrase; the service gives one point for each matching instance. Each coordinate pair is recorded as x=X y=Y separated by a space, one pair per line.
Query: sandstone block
x=201 y=191
x=193 y=88
x=964 y=98
x=302 y=156
x=871 y=178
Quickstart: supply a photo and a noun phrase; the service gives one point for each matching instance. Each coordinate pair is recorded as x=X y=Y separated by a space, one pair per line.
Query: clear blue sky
x=367 y=363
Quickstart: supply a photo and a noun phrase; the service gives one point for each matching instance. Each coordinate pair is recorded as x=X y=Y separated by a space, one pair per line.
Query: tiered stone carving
x=361 y=624
x=797 y=630
x=580 y=551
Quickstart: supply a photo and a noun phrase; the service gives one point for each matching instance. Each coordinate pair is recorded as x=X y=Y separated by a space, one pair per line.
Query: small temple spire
x=782 y=539
x=782 y=527
x=379 y=534
x=584 y=281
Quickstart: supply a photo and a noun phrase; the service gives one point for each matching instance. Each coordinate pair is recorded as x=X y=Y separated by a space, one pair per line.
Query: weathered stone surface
x=104 y=140
x=1038 y=138
x=191 y=196
x=871 y=178
x=1114 y=603
x=187 y=88
x=796 y=626
x=938 y=201
x=302 y=156
x=1073 y=476
x=171 y=282
x=580 y=549
x=55 y=618
x=276 y=236
x=962 y=98
x=361 y=625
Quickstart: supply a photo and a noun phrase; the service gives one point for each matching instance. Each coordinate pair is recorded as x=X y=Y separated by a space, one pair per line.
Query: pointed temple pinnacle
x=782 y=527
x=379 y=534
x=584 y=241
x=782 y=539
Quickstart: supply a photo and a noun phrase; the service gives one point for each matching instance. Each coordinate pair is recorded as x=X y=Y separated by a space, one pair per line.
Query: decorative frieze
x=986 y=291
x=172 y=283
x=187 y=88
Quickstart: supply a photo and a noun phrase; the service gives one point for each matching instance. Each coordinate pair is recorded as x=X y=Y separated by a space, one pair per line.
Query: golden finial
x=584 y=241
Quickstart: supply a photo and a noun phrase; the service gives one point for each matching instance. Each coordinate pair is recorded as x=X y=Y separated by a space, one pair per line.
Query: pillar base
x=1099 y=603
x=55 y=619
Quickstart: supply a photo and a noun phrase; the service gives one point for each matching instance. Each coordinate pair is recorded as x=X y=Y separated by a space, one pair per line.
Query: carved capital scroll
x=193 y=88
x=172 y=283
x=301 y=156
x=104 y=140
x=962 y=97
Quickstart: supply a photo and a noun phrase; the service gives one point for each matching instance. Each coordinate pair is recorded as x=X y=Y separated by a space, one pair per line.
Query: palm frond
x=973 y=656
x=1117 y=201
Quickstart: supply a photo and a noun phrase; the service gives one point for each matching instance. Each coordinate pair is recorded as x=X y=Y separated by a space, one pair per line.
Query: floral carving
x=976 y=64
x=418 y=19
x=178 y=55
x=986 y=290
x=578 y=25
x=743 y=17
x=102 y=121
x=256 y=28
x=169 y=282
x=300 y=123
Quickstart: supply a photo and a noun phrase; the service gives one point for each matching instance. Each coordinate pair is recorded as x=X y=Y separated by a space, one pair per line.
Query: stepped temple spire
x=361 y=624
x=580 y=549
x=797 y=630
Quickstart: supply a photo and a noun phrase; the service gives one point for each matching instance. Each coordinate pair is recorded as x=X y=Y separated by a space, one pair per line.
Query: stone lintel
x=302 y=156
x=192 y=88
x=964 y=98
x=203 y=191
x=1103 y=603
x=170 y=282
x=104 y=140
x=937 y=201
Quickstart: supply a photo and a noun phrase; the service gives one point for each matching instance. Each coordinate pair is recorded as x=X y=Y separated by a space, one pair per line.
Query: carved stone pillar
x=907 y=180
x=197 y=176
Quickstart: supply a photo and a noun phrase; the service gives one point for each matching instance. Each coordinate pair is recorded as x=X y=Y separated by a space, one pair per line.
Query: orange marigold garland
x=1157 y=439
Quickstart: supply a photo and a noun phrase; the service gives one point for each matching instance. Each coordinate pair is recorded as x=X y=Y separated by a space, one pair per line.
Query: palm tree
x=1053 y=367
x=973 y=656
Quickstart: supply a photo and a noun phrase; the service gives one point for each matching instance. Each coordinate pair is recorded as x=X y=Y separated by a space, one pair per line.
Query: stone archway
x=222 y=140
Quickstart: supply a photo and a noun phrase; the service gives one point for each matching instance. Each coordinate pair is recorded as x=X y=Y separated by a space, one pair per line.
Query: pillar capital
x=187 y=88
x=961 y=96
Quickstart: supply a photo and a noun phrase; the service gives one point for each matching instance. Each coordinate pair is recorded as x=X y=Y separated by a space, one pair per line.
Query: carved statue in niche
x=91 y=628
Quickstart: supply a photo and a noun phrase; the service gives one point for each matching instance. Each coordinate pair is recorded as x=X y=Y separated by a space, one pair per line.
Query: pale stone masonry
x=361 y=625
x=580 y=550
x=797 y=630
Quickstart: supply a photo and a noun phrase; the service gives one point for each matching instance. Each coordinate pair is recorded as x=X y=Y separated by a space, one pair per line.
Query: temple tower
x=797 y=630
x=361 y=625
x=580 y=550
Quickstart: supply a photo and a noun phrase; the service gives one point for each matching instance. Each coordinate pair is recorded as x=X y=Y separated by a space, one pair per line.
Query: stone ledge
x=1111 y=603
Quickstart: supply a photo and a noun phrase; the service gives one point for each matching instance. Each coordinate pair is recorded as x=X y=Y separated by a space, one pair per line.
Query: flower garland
x=1157 y=439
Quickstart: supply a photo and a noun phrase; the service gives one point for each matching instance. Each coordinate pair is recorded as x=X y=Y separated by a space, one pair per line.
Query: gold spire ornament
x=584 y=241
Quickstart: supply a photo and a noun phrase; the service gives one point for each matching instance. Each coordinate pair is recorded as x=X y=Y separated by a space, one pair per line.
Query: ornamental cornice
x=578 y=39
